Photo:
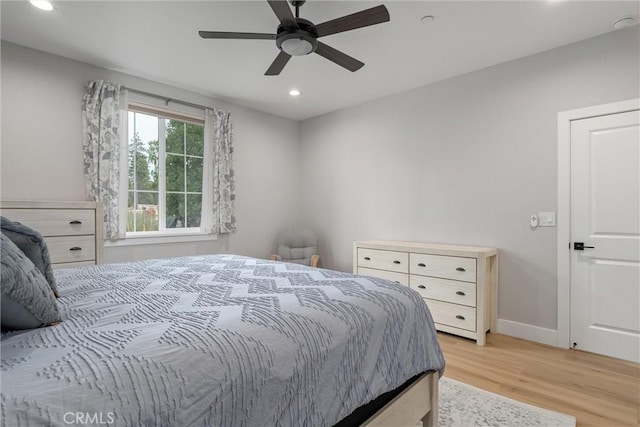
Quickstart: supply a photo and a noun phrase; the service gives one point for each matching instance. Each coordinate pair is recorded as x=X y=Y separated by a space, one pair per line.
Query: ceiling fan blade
x=278 y=64
x=375 y=15
x=283 y=12
x=338 y=57
x=229 y=35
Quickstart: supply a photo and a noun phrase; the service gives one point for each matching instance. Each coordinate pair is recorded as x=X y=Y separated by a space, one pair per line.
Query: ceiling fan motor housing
x=300 y=41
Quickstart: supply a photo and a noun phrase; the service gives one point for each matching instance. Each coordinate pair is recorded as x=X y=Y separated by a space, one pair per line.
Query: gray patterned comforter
x=218 y=340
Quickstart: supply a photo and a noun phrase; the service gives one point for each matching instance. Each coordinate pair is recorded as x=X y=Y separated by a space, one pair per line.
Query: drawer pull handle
x=460 y=293
x=422 y=264
x=367 y=258
x=75 y=222
x=396 y=262
x=458 y=316
x=75 y=248
x=460 y=269
x=422 y=286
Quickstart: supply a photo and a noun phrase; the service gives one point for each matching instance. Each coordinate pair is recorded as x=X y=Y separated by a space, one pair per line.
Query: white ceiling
x=159 y=41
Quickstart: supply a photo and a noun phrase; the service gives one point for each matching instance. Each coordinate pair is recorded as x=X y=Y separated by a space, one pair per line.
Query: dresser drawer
x=446 y=290
x=447 y=267
x=383 y=260
x=71 y=248
x=458 y=316
x=55 y=222
x=401 y=278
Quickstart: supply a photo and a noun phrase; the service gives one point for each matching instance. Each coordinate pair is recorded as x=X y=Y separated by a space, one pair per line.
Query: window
x=155 y=176
x=165 y=172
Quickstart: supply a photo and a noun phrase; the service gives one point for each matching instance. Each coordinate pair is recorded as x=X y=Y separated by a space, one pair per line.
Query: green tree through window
x=178 y=191
x=184 y=162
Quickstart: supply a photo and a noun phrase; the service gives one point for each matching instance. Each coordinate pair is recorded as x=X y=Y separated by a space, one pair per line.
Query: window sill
x=161 y=238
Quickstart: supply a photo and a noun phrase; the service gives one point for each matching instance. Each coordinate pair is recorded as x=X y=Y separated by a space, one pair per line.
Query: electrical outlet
x=547 y=219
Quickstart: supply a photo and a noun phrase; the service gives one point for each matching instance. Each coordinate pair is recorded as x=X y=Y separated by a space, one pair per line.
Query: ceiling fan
x=296 y=36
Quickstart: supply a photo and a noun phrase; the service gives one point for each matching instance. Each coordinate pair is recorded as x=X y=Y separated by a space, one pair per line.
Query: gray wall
x=466 y=160
x=42 y=151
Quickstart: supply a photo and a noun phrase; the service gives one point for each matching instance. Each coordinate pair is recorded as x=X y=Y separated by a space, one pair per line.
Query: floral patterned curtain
x=101 y=145
x=224 y=185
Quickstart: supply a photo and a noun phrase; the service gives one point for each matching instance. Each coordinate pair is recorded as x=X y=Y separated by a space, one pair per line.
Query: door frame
x=564 y=205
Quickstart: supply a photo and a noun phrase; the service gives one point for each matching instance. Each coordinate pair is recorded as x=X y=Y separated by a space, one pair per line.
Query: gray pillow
x=32 y=244
x=27 y=300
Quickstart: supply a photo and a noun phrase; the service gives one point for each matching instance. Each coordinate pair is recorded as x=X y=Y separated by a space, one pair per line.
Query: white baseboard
x=528 y=332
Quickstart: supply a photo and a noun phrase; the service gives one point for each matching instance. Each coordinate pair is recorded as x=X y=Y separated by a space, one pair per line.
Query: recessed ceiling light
x=427 y=18
x=627 y=21
x=294 y=92
x=42 y=4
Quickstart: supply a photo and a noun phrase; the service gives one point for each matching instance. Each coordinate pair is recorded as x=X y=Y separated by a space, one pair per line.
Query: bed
x=224 y=340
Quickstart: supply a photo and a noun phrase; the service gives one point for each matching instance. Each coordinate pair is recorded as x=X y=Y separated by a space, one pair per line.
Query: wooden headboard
x=72 y=230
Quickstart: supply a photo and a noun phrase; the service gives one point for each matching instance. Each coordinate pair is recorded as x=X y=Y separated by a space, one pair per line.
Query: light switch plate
x=547 y=219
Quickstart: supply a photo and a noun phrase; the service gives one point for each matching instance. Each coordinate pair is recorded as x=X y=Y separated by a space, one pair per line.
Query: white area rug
x=462 y=405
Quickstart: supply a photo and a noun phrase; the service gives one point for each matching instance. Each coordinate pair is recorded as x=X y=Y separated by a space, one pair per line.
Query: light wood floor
x=597 y=390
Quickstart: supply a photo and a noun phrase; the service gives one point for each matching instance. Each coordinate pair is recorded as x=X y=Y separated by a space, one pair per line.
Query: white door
x=605 y=217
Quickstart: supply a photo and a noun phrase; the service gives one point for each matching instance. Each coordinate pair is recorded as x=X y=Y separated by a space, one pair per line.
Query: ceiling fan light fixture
x=296 y=43
x=296 y=47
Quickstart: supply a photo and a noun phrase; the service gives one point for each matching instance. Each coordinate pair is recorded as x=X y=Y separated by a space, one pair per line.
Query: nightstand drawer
x=445 y=290
x=458 y=316
x=446 y=267
x=383 y=260
x=55 y=222
x=401 y=278
x=71 y=248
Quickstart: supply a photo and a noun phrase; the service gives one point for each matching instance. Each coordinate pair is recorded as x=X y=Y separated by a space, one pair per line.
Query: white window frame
x=156 y=106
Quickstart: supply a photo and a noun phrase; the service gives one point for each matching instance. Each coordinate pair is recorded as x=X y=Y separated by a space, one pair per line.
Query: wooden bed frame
x=417 y=402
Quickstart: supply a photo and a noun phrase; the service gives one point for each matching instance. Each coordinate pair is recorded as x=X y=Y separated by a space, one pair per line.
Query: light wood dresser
x=458 y=283
x=72 y=230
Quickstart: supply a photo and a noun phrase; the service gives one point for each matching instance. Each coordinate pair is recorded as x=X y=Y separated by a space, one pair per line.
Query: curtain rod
x=167 y=100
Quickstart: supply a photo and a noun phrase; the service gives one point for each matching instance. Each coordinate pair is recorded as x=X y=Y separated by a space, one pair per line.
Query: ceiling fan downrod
x=297 y=4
